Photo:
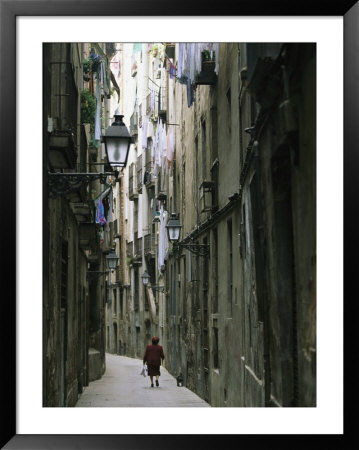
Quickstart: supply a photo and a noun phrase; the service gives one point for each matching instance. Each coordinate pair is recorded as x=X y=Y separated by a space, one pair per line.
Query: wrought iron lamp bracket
x=197 y=249
x=65 y=183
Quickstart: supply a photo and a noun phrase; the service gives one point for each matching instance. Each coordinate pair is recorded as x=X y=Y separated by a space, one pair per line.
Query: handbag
x=144 y=371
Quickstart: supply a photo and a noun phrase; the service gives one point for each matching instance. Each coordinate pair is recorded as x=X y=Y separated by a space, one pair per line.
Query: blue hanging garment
x=100 y=216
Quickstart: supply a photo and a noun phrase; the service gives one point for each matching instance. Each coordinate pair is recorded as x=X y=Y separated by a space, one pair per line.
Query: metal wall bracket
x=65 y=183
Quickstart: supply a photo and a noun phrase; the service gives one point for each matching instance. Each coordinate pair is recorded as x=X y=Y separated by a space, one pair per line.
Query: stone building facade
x=238 y=166
x=75 y=243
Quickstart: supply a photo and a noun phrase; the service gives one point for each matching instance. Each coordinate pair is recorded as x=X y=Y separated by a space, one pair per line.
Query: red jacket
x=153 y=355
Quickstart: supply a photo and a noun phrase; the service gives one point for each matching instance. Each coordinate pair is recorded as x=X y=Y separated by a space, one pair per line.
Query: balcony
x=132 y=183
x=162 y=96
x=134 y=124
x=137 y=257
x=140 y=115
x=87 y=235
x=207 y=195
x=148 y=104
x=129 y=253
x=207 y=76
x=62 y=151
x=107 y=243
x=150 y=245
x=139 y=174
x=82 y=212
x=149 y=179
x=62 y=121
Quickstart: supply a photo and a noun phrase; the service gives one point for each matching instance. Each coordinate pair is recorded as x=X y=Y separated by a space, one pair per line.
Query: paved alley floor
x=122 y=385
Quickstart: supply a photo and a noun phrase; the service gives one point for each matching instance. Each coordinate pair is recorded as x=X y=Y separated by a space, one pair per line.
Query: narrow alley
x=180 y=202
x=123 y=386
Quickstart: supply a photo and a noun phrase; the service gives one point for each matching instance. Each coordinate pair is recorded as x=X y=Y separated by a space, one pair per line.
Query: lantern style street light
x=146 y=278
x=117 y=142
x=112 y=259
x=112 y=263
x=174 y=228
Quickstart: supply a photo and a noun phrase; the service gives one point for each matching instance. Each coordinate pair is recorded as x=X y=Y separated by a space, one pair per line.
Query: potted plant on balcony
x=208 y=59
x=87 y=67
x=208 y=64
x=153 y=50
x=88 y=108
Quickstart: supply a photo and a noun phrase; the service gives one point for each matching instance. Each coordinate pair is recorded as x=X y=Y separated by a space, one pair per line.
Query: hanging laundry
x=163 y=149
x=181 y=60
x=163 y=244
x=170 y=146
x=189 y=64
x=153 y=101
x=115 y=63
x=102 y=79
x=172 y=70
x=137 y=47
x=97 y=115
x=150 y=129
x=133 y=96
x=191 y=55
x=100 y=213
x=156 y=146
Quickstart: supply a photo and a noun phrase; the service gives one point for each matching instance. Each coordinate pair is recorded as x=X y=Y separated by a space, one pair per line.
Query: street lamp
x=146 y=278
x=117 y=142
x=174 y=228
x=112 y=259
x=112 y=262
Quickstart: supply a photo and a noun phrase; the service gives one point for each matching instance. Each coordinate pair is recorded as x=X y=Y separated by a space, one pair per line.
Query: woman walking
x=152 y=357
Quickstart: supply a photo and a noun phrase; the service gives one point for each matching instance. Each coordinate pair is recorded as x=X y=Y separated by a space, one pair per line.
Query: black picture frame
x=9 y=10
